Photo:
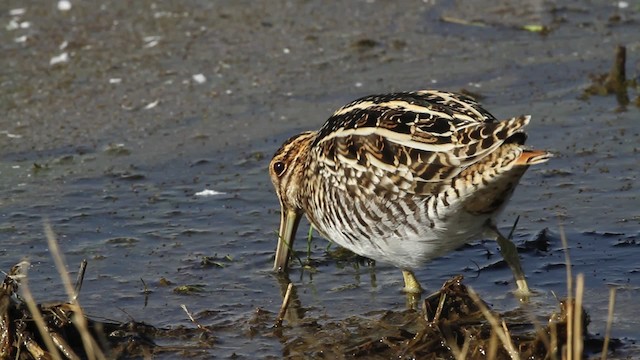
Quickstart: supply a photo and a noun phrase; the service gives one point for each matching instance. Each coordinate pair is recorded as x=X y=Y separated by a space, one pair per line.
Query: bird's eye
x=278 y=168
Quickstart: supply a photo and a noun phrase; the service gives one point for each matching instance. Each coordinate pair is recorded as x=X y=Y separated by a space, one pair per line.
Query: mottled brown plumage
x=401 y=178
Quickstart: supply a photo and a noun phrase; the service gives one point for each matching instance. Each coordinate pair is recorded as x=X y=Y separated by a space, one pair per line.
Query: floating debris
x=15 y=22
x=64 y=5
x=151 y=41
x=215 y=261
x=189 y=289
x=10 y=135
x=59 y=59
x=199 y=78
x=152 y=104
x=208 y=192
x=116 y=149
x=17 y=11
x=536 y=28
x=623 y=4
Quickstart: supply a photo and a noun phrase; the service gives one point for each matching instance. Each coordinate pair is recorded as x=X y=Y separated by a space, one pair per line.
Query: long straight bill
x=289 y=221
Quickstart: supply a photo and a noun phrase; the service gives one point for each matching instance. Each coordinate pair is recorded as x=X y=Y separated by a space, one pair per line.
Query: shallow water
x=112 y=145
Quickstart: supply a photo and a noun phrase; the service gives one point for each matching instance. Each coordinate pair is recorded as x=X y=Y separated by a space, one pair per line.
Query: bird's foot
x=411 y=284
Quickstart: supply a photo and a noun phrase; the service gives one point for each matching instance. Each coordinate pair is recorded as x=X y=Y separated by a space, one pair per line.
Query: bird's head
x=287 y=174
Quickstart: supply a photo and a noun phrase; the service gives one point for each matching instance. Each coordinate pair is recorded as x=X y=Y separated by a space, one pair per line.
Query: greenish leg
x=510 y=254
x=411 y=284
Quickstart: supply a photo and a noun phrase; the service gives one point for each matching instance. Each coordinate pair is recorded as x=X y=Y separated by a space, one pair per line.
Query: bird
x=403 y=178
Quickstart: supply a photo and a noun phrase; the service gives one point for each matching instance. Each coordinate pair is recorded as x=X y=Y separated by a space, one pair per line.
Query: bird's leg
x=412 y=288
x=510 y=254
x=411 y=284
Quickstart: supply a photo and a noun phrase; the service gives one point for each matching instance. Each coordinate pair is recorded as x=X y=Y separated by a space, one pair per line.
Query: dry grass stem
x=37 y=317
x=465 y=348
x=607 y=332
x=509 y=346
x=80 y=279
x=509 y=253
x=543 y=336
x=553 y=341
x=498 y=330
x=493 y=346
x=570 y=303
x=577 y=319
x=63 y=346
x=184 y=307
x=285 y=305
x=90 y=345
x=34 y=349
x=436 y=316
x=459 y=354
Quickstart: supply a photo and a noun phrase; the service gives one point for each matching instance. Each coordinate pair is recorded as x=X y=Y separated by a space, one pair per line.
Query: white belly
x=407 y=248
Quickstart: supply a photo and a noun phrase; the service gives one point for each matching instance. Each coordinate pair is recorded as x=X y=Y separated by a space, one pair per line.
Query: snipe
x=402 y=178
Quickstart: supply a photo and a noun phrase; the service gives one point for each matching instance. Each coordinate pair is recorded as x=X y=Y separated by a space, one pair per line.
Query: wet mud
x=452 y=323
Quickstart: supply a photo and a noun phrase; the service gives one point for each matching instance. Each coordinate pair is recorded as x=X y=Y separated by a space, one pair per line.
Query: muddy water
x=115 y=115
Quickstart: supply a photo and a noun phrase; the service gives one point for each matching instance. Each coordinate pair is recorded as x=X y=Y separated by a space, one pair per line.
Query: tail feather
x=532 y=157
